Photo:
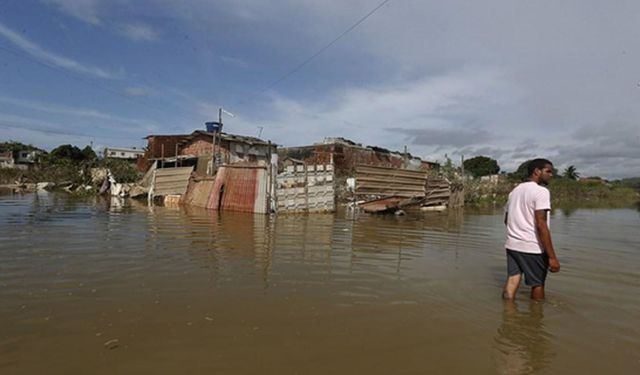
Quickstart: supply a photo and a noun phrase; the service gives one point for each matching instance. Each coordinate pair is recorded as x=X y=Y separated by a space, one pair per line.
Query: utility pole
x=217 y=139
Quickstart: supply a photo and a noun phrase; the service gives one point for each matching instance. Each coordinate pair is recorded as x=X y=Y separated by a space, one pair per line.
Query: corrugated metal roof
x=228 y=137
x=390 y=182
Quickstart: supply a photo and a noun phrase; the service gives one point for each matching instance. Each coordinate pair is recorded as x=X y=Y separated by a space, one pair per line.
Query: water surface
x=101 y=287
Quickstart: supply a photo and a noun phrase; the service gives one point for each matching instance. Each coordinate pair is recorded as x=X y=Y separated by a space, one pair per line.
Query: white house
x=6 y=160
x=122 y=153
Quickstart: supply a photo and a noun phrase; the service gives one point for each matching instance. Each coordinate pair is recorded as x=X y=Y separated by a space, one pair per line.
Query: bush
x=122 y=170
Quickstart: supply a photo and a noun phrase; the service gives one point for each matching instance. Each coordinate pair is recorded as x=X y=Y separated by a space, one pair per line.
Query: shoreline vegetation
x=68 y=168
x=484 y=187
x=564 y=192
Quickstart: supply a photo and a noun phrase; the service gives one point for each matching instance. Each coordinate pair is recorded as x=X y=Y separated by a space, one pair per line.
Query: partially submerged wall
x=306 y=188
x=199 y=192
x=240 y=188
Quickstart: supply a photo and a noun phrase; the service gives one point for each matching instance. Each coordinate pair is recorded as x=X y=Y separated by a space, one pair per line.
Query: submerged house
x=225 y=171
x=212 y=169
x=228 y=149
x=158 y=146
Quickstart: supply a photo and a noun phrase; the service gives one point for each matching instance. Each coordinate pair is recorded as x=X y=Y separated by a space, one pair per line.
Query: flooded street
x=93 y=287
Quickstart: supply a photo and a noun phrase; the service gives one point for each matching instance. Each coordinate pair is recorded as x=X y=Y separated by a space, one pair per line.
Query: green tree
x=16 y=147
x=522 y=173
x=88 y=154
x=481 y=166
x=571 y=173
x=69 y=152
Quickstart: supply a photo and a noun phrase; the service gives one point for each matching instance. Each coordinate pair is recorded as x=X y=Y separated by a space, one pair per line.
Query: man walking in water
x=529 y=247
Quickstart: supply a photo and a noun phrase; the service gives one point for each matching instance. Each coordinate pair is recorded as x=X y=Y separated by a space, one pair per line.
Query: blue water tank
x=213 y=127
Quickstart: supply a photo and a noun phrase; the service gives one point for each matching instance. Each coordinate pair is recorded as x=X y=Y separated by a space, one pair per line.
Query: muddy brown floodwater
x=102 y=287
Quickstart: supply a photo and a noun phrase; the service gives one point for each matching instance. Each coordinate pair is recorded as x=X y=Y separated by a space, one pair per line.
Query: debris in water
x=112 y=344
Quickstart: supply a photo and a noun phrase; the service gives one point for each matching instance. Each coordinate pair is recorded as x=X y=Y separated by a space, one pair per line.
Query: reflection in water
x=522 y=342
x=191 y=290
x=568 y=211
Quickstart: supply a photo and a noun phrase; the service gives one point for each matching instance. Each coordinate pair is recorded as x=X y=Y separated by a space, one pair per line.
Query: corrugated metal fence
x=240 y=188
x=438 y=192
x=382 y=181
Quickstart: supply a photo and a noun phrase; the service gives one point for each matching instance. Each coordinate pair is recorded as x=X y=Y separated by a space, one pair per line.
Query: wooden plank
x=365 y=167
x=384 y=171
x=395 y=193
x=397 y=180
x=174 y=171
x=170 y=179
x=383 y=186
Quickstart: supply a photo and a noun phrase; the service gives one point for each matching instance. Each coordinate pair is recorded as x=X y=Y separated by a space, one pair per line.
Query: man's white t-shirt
x=521 y=225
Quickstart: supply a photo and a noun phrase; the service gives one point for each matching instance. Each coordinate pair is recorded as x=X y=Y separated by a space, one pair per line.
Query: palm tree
x=571 y=173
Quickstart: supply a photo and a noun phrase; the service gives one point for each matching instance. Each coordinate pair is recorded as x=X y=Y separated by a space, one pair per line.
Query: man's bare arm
x=545 y=238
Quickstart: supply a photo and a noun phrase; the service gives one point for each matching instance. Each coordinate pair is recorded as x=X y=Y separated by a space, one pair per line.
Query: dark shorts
x=534 y=266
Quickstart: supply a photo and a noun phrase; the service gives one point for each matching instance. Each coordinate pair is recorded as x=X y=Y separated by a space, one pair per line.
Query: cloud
x=138 y=32
x=47 y=57
x=84 y=10
x=113 y=121
x=514 y=79
x=9 y=121
x=136 y=91
x=611 y=149
x=93 y=12
x=426 y=113
x=234 y=61
x=445 y=137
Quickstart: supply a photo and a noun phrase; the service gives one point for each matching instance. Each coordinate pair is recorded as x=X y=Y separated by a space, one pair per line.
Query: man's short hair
x=537 y=164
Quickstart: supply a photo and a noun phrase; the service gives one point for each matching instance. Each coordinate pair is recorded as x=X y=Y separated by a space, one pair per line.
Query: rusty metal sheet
x=240 y=188
x=199 y=192
x=380 y=205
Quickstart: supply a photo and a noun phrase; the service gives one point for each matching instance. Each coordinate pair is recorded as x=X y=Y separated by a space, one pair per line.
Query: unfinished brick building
x=346 y=155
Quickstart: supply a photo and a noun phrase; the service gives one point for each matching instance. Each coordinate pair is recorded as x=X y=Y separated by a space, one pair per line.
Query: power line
x=326 y=47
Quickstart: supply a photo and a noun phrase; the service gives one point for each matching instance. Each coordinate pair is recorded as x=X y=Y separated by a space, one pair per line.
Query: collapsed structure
x=223 y=171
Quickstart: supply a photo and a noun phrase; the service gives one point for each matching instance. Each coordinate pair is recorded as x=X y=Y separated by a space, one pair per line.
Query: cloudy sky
x=507 y=79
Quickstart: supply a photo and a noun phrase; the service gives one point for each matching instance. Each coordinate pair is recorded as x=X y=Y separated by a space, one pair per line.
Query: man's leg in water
x=537 y=292
x=511 y=286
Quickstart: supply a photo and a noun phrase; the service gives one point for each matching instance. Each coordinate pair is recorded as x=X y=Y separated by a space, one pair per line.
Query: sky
x=509 y=80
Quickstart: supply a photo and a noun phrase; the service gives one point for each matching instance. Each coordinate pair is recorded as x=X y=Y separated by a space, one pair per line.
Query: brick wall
x=345 y=157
